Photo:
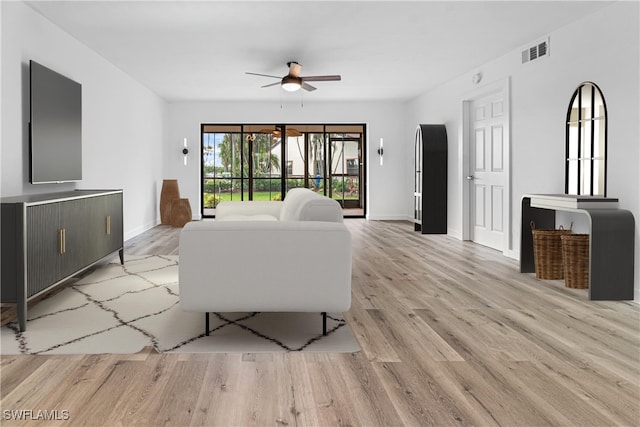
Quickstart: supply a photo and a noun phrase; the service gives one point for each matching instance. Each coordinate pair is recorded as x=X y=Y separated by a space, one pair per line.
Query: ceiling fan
x=294 y=81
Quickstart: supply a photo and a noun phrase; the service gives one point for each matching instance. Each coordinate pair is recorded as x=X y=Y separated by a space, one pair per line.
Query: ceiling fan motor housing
x=291 y=83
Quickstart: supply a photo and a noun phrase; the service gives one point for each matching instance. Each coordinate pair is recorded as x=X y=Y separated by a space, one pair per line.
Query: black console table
x=48 y=238
x=611 y=240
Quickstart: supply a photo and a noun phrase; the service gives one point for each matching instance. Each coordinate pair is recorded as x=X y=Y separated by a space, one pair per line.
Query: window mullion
x=593 y=127
x=580 y=124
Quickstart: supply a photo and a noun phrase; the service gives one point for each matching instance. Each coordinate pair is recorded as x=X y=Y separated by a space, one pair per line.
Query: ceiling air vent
x=538 y=50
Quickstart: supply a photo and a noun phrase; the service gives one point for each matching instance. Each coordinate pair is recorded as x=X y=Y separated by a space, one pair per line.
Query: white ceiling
x=200 y=50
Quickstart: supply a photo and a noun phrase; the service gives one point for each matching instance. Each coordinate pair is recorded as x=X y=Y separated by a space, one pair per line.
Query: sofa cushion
x=248 y=208
x=302 y=204
x=257 y=217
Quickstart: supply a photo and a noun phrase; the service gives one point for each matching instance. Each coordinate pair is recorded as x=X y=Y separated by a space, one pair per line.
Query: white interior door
x=488 y=165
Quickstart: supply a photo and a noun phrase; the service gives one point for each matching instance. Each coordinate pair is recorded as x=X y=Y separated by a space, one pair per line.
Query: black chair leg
x=206 y=323
x=324 y=323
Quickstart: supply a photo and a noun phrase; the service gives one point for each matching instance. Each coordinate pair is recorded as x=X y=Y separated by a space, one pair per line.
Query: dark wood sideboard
x=48 y=238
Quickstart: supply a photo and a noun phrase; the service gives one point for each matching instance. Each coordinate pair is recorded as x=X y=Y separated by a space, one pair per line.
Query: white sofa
x=289 y=256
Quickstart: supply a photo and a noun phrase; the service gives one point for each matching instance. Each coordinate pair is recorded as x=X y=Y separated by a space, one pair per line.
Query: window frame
x=247 y=159
x=586 y=126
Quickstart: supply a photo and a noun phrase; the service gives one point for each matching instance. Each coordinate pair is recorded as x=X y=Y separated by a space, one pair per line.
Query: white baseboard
x=454 y=233
x=391 y=217
x=509 y=253
x=141 y=229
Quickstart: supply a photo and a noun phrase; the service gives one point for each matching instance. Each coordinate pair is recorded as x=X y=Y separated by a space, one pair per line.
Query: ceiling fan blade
x=271 y=84
x=335 y=77
x=264 y=75
x=293 y=132
x=294 y=69
x=307 y=87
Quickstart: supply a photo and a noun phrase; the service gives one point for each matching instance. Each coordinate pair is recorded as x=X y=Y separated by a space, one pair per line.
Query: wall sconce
x=185 y=151
x=381 y=151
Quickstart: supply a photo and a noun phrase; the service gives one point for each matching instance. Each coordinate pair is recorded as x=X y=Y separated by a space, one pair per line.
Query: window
x=264 y=161
x=586 y=145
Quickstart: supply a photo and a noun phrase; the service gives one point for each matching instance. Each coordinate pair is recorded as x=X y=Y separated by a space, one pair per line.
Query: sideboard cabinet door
x=44 y=247
x=115 y=228
x=74 y=223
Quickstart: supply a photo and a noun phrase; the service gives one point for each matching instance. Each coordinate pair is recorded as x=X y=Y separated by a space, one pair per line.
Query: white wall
x=604 y=48
x=124 y=124
x=383 y=120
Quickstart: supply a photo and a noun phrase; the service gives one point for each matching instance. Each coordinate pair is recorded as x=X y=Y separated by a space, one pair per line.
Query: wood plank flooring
x=451 y=334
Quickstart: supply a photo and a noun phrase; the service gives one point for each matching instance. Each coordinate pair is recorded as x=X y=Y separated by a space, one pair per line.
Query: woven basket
x=575 y=254
x=547 y=252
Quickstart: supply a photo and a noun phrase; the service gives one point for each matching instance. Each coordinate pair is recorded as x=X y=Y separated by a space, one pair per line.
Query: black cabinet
x=48 y=238
x=430 y=190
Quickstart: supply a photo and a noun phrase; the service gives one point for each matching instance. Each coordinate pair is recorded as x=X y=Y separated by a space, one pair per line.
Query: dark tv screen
x=55 y=136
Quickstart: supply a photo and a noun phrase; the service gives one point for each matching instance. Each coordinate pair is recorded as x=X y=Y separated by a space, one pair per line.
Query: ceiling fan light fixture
x=291 y=83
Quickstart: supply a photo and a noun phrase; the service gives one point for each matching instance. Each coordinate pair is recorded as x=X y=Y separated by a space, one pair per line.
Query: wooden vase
x=180 y=212
x=169 y=193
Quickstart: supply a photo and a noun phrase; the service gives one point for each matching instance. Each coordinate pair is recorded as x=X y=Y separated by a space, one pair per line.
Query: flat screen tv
x=55 y=137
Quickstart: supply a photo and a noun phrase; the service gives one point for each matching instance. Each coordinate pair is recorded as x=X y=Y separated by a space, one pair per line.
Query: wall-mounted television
x=55 y=136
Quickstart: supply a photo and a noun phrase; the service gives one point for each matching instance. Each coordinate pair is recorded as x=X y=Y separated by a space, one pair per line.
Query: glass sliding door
x=263 y=162
x=317 y=162
x=224 y=156
x=305 y=157
x=345 y=150
x=295 y=157
x=345 y=171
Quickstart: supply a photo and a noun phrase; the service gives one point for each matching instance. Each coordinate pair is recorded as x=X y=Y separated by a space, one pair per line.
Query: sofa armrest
x=265 y=266
x=248 y=208
x=302 y=204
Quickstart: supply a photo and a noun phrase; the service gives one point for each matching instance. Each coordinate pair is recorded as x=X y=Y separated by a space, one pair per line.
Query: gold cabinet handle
x=108 y=225
x=62 y=237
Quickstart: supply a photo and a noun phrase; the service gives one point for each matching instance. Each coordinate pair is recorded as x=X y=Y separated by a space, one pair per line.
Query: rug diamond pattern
x=121 y=309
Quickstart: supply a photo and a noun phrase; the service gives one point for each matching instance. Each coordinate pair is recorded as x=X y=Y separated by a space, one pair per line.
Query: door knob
x=470 y=177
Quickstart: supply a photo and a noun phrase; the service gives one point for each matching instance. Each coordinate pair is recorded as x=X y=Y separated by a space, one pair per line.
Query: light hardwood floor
x=451 y=334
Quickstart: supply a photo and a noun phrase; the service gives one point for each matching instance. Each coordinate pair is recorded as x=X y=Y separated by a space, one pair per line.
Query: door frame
x=504 y=86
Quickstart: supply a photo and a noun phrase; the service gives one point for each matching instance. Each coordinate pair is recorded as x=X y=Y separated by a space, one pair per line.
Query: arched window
x=586 y=148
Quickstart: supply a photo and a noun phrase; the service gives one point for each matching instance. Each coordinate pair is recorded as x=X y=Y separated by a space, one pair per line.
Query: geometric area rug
x=122 y=309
